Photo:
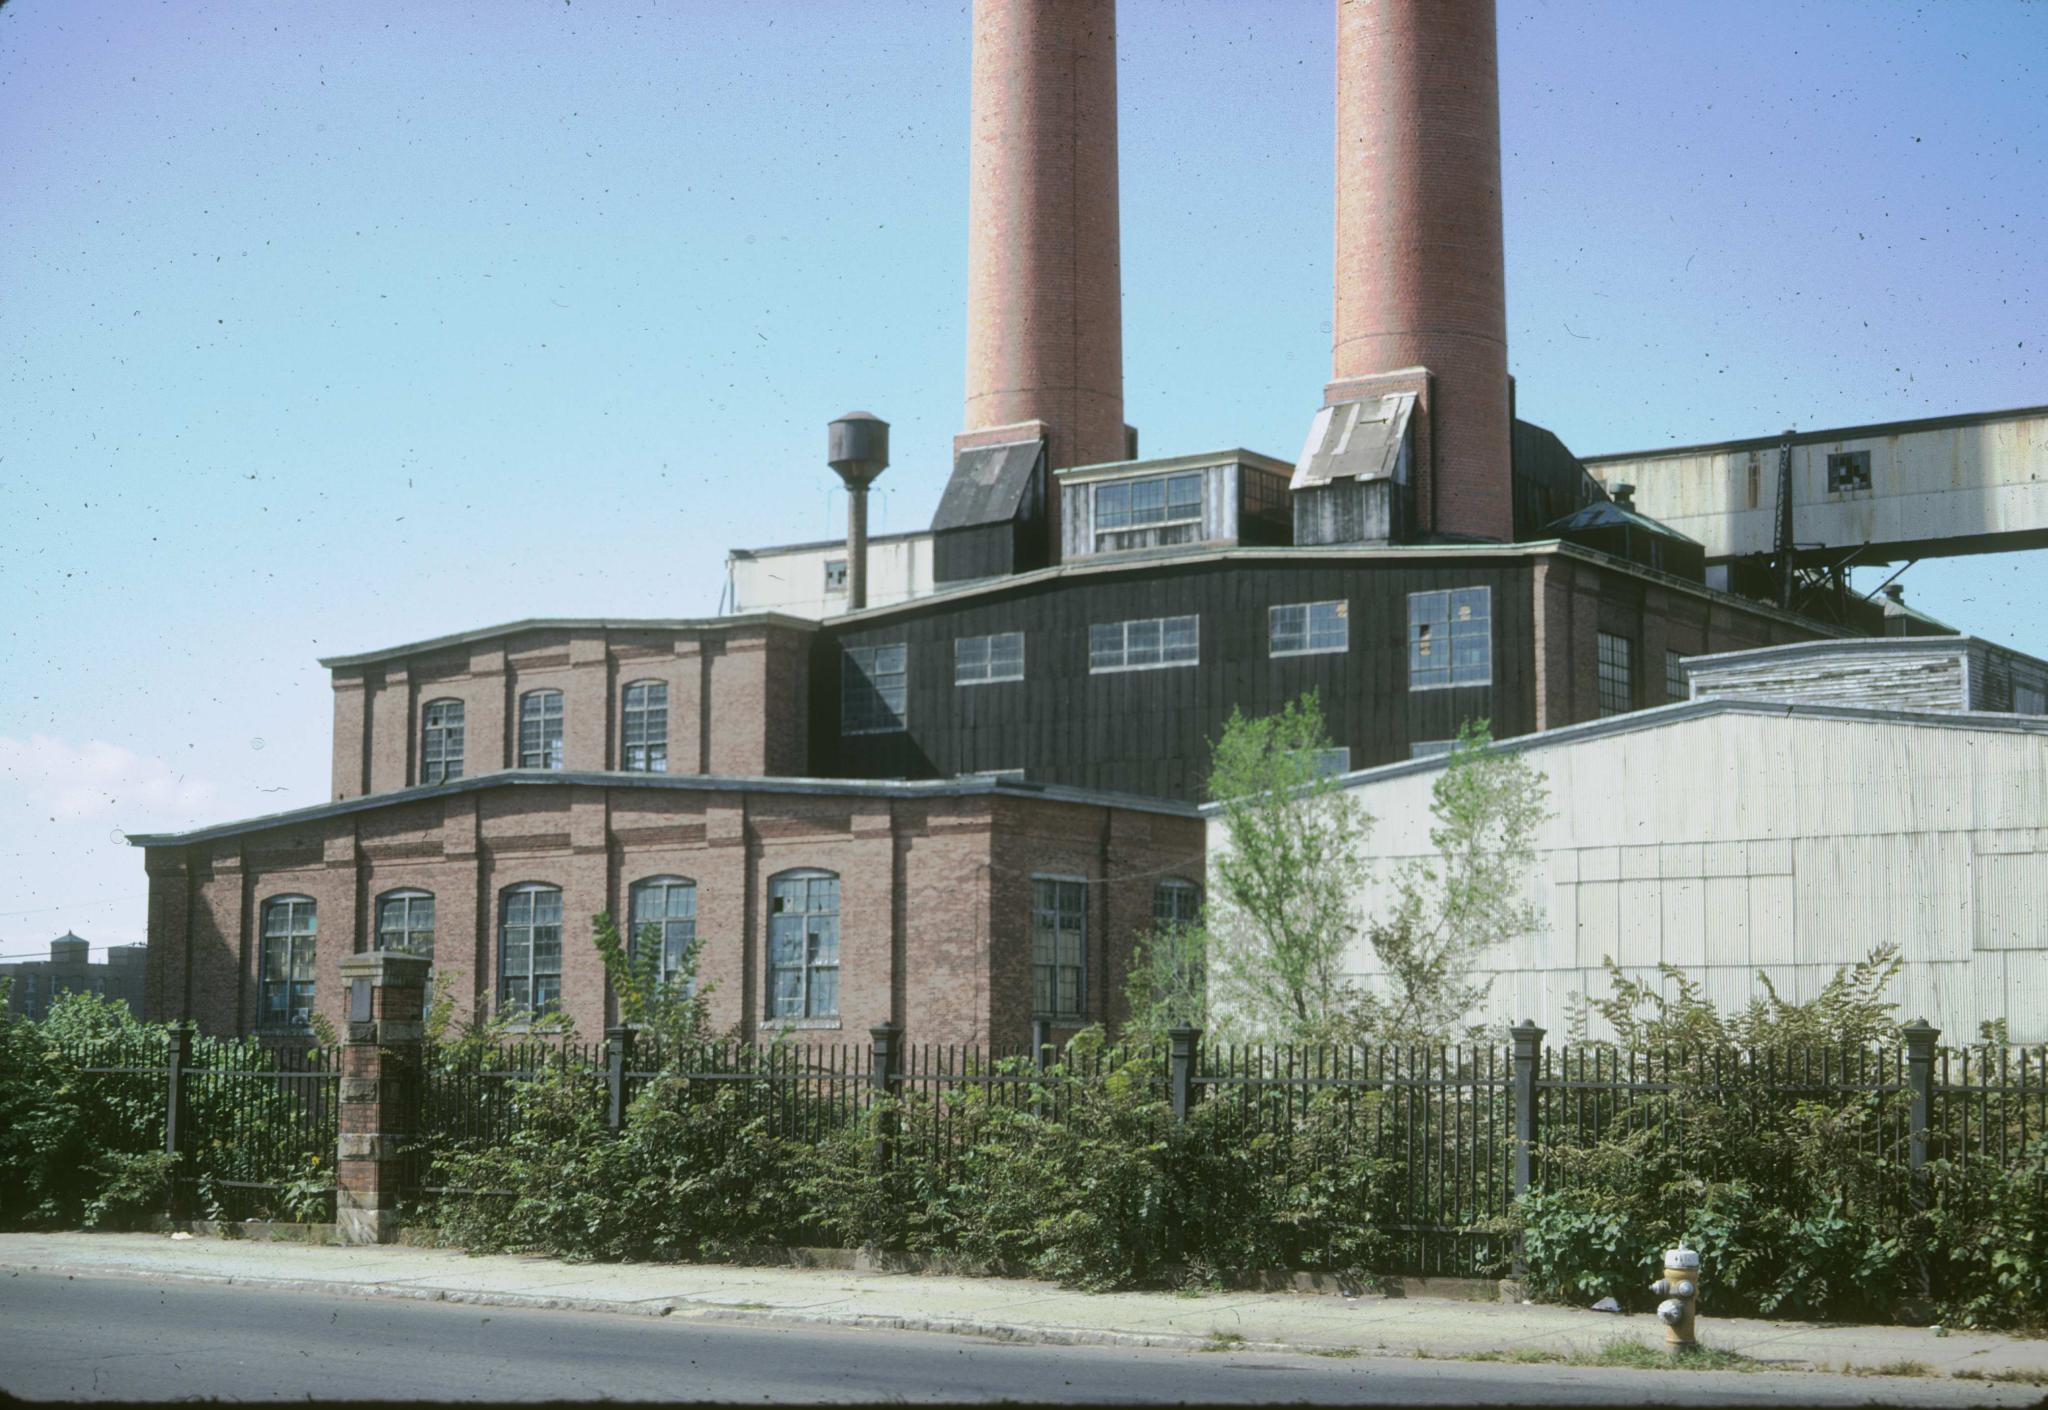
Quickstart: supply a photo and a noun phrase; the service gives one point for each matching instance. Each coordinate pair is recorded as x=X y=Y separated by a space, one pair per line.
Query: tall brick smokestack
x=1420 y=274
x=1044 y=279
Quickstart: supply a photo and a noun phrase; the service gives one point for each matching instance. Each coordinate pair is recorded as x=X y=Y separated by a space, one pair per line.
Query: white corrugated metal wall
x=1792 y=844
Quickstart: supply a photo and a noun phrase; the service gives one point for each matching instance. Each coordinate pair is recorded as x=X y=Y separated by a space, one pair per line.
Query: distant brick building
x=36 y=984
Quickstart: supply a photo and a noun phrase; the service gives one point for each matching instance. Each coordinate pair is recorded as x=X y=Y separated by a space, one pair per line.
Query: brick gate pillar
x=380 y=1069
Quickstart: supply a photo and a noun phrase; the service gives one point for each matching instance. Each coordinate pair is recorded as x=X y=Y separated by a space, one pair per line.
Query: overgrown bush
x=83 y=1149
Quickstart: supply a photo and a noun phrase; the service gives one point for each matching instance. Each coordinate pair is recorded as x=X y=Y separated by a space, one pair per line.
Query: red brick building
x=960 y=909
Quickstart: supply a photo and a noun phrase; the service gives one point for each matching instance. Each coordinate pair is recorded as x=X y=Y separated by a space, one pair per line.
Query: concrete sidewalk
x=1011 y=1309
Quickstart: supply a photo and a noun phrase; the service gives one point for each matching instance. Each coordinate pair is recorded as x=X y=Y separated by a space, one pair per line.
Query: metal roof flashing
x=967 y=785
x=1688 y=710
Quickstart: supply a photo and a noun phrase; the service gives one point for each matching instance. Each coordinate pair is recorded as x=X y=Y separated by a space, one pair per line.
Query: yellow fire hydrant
x=1680 y=1289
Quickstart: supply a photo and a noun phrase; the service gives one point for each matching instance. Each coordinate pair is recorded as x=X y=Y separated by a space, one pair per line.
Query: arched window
x=530 y=948
x=441 y=741
x=540 y=729
x=664 y=910
x=803 y=945
x=643 y=740
x=405 y=921
x=1176 y=902
x=285 y=971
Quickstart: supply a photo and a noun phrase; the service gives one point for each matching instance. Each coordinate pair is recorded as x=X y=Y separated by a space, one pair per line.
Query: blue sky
x=330 y=327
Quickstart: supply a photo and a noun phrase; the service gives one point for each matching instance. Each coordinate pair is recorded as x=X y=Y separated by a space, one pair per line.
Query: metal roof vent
x=857 y=449
x=1624 y=494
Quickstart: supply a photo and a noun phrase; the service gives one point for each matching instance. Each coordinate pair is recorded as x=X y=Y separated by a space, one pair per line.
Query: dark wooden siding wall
x=1150 y=731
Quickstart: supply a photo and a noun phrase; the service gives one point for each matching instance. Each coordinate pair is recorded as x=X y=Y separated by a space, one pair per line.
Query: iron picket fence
x=253 y=1124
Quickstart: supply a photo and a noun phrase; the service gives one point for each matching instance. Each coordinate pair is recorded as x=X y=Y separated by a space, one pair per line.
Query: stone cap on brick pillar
x=388 y=969
x=364 y=974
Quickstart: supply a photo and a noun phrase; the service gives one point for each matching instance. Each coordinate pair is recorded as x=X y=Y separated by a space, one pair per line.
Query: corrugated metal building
x=1735 y=836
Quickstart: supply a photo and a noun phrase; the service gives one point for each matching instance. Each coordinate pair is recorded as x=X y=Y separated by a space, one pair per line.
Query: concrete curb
x=688 y=1310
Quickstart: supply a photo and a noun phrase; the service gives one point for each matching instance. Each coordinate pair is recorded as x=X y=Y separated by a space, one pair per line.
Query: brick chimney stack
x=1044 y=279
x=1420 y=275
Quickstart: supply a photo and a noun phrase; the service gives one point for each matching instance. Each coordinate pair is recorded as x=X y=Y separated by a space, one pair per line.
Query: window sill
x=885 y=729
x=1095 y=670
x=1311 y=651
x=801 y=1024
x=1453 y=685
x=990 y=680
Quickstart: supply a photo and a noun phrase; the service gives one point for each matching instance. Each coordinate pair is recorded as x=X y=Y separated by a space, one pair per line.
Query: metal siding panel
x=2011 y=894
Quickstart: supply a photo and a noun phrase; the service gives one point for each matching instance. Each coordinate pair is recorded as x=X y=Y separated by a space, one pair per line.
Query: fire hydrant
x=1680 y=1289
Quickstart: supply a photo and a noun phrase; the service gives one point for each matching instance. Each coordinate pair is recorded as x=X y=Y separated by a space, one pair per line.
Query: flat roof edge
x=965 y=786
x=1688 y=710
x=1822 y=436
x=533 y=624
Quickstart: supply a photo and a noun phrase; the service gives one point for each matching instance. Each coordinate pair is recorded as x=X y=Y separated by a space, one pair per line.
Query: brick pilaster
x=380 y=1070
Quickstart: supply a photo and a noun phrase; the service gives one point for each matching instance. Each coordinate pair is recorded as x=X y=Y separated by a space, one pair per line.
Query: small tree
x=1449 y=908
x=1169 y=980
x=1281 y=907
x=672 y=1009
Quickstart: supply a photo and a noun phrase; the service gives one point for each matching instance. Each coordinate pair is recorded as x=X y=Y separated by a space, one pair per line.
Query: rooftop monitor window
x=1145 y=513
x=874 y=689
x=1145 y=644
x=979 y=659
x=1450 y=638
x=1304 y=628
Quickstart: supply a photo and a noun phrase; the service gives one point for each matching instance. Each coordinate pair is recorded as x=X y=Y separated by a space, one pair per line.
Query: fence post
x=177 y=1057
x=618 y=1051
x=1920 y=1039
x=380 y=1076
x=1180 y=1070
x=1528 y=1052
x=884 y=1075
x=1041 y=1058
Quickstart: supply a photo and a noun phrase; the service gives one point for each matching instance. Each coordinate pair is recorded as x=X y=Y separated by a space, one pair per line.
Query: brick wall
x=737 y=700
x=934 y=897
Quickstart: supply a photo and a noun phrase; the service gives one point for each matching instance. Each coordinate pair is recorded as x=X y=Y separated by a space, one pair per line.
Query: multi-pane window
x=664 y=912
x=405 y=921
x=874 y=689
x=1299 y=628
x=530 y=949
x=803 y=945
x=1329 y=762
x=285 y=988
x=1429 y=748
x=1160 y=509
x=1142 y=644
x=540 y=729
x=1848 y=470
x=1617 y=675
x=1176 y=902
x=835 y=575
x=441 y=741
x=643 y=737
x=1450 y=638
x=1675 y=686
x=988 y=658
x=1059 y=947
x=2029 y=700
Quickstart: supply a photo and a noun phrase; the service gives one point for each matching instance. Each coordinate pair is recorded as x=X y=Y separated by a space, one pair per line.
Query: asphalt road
x=65 y=1338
